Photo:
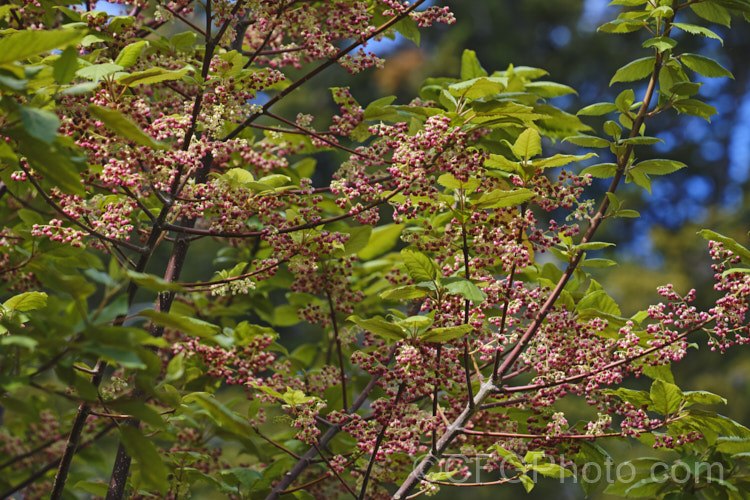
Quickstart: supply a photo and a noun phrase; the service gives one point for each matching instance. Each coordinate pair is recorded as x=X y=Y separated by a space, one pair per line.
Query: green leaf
x=182 y=41
x=733 y=444
x=639 y=179
x=627 y=3
x=641 y=140
x=594 y=245
x=528 y=483
x=686 y=89
x=601 y=170
x=17 y=340
x=477 y=88
x=449 y=180
x=728 y=243
x=151 y=76
x=551 y=470
x=220 y=414
x=660 y=43
x=26 y=301
x=419 y=266
x=659 y=372
x=153 y=471
x=40 y=123
x=658 y=167
x=409 y=29
x=698 y=30
x=93 y=487
x=404 y=293
x=695 y=108
x=24 y=44
x=244 y=476
x=125 y=357
x=380 y=326
x=97 y=72
x=625 y=100
x=296 y=397
x=600 y=302
x=122 y=125
x=638 y=398
x=151 y=282
x=465 y=288
x=358 y=239
x=382 y=239
x=713 y=12
x=418 y=322
x=646 y=487
x=441 y=476
x=185 y=324
x=612 y=129
x=598 y=263
x=65 y=67
x=705 y=66
x=470 y=66
x=446 y=333
x=628 y=213
x=500 y=162
x=129 y=55
x=621 y=26
x=587 y=141
x=703 y=398
x=560 y=160
x=548 y=89
x=635 y=70
x=665 y=397
x=528 y=145
x=598 y=109
x=499 y=198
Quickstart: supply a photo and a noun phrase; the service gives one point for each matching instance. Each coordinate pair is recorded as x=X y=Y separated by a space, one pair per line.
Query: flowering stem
x=341 y=53
x=308 y=457
x=488 y=388
x=378 y=441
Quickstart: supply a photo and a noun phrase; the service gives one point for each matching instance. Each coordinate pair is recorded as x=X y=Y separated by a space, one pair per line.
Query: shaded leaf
x=122 y=125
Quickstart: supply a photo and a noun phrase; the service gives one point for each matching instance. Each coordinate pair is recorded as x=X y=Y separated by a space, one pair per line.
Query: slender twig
x=75 y=221
x=285 y=230
x=378 y=442
x=330 y=142
x=469 y=485
x=277 y=445
x=337 y=339
x=185 y=20
x=614 y=364
x=29 y=453
x=333 y=469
